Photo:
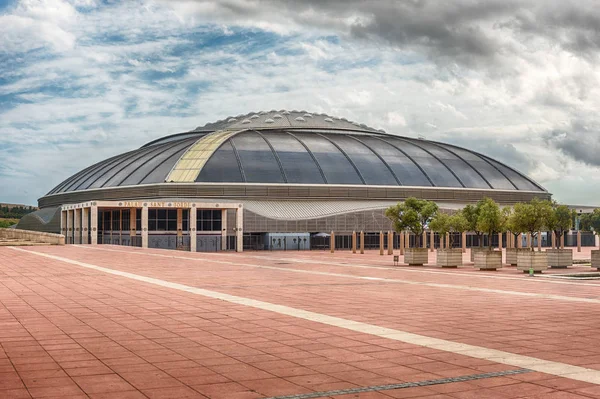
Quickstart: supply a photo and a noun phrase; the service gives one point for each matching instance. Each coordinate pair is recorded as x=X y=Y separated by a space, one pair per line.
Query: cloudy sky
x=81 y=80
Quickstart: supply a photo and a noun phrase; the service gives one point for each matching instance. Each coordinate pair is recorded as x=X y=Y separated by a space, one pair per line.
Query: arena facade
x=268 y=180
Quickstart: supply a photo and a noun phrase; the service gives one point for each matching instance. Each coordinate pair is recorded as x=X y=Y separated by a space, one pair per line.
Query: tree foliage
x=559 y=220
x=444 y=223
x=531 y=216
x=413 y=215
x=590 y=221
x=15 y=212
x=471 y=215
x=491 y=219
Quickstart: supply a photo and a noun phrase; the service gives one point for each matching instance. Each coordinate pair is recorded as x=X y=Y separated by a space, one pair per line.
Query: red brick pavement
x=69 y=332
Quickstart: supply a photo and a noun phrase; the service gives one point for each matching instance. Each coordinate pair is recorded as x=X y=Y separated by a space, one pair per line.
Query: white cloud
x=95 y=88
x=395 y=118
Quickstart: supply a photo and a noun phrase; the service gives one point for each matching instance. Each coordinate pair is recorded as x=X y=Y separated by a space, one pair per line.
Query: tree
x=413 y=215
x=592 y=221
x=471 y=214
x=531 y=216
x=444 y=223
x=559 y=220
x=585 y=222
x=491 y=219
x=513 y=224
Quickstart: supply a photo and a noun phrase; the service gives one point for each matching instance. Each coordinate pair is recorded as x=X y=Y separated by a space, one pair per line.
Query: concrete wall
x=35 y=236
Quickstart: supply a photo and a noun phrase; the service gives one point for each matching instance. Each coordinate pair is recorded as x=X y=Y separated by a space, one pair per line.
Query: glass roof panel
x=221 y=167
x=437 y=172
x=297 y=163
x=406 y=170
x=335 y=165
x=258 y=161
x=370 y=166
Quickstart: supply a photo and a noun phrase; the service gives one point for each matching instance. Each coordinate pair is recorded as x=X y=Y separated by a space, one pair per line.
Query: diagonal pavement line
x=545 y=366
x=368 y=278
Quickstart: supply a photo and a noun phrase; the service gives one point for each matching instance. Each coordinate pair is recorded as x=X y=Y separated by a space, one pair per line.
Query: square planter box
x=596 y=258
x=511 y=255
x=416 y=256
x=532 y=259
x=474 y=250
x=488 y=260
x=449 y=257
x=560 y=258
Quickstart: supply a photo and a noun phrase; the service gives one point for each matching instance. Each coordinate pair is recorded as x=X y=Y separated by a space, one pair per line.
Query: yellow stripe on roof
x=189 y=166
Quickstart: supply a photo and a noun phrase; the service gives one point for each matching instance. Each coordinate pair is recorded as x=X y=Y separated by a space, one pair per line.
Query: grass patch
x=4 y=223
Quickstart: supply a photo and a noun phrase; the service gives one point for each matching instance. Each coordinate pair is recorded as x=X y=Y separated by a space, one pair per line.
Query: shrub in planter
x=596 y=258
x=559 y=220
x=488 y=260
x=416 y=256
x=538 y=261
x=471 y=214
x=413 y=215
x=511 y=255
x=560 y=258
x=449 y=257
x=443 y=224
x=475 y=250
x=491 y=220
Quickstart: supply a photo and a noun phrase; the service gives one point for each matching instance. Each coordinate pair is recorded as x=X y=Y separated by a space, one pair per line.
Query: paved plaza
x=120 y=322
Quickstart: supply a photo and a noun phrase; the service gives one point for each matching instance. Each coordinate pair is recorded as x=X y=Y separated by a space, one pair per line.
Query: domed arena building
x=267 y=180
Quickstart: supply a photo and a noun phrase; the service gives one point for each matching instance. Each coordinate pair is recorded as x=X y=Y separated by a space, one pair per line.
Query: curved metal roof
x=298 y=148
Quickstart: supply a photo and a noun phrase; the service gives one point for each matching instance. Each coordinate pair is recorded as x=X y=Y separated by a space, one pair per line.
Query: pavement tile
x=102 y=383
x=82 y=332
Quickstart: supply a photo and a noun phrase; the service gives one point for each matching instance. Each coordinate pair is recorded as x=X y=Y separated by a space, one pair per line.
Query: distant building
x=267 y=180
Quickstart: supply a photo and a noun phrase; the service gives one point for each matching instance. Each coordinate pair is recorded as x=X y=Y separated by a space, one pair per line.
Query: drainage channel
x=389 y=387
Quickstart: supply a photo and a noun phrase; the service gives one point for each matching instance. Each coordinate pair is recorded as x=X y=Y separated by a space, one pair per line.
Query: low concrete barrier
x=34 y=236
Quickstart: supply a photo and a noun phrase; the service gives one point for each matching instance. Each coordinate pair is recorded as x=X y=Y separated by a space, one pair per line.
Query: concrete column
x=354 y=242
x=402 y=238
x=448 y=241
x=362 y=242
x=63 y=224
x=520 y=240
x=85 y=225
x=94 y=225
x=553 y=239
x=596 y=240
x=332 y=242
x=179 y=223
x=562 y=241
x=539 y=244
x=224 y=230
x=431 y=240
x=529 y=240
x=390 y=243
x=464 y=241
x=381 y=243
x=500 y=241
x=192 y=231
x=77 y=226
x=69 y=238
x=239 y=225
x=132 y=225
x=424 y=243
x=578 y=241
x=145 y=227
